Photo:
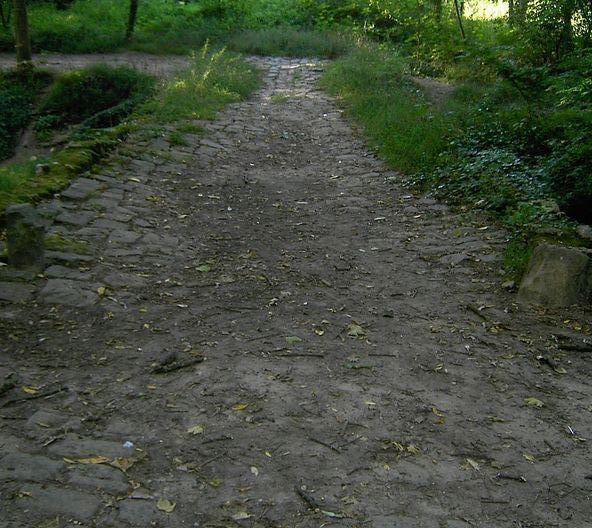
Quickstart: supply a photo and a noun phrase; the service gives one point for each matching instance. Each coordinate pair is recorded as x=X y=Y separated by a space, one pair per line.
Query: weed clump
x=101 y=95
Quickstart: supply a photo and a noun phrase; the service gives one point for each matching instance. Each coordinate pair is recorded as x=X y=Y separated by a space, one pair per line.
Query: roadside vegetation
x=512 y=137
x=94 y=108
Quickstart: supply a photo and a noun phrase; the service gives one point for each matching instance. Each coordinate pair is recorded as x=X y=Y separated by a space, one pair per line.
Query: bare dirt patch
x=270 y=331
x=437 y=91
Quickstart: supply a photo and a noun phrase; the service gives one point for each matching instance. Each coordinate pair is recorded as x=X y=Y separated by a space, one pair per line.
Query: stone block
x=31 y=468
x=68 y=293
x=50 y=500
x=557 y=276
x=25 y=232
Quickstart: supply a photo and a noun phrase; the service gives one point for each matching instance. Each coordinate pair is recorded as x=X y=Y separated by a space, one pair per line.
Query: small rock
x=585 y=232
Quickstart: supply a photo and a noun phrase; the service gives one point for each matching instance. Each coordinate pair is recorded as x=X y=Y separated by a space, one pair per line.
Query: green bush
x=212 y=81
x=80 y=94
x=18 y=95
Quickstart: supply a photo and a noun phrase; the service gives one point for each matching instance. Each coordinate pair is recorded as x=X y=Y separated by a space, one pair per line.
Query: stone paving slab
x=48 y=500
x=68 y=293
x=81 y=189
x=29 y=468
x=15 y=292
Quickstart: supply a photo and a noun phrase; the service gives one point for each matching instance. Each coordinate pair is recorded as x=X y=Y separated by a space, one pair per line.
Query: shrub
x=78 y=95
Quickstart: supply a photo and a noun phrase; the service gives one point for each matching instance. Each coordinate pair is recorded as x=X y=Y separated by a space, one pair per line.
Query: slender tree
x=131 y=20
x=459 y=9
x=21 y=35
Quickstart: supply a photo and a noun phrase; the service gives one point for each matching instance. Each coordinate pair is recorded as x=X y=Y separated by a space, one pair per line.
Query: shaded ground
x=288 y=338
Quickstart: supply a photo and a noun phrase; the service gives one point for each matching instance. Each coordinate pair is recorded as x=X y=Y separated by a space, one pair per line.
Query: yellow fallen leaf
x=529 y=457
x=255 y=471
x=437 y=412
x=31 y=389
x=319 y=331
x=122 y=463
x=268 y=454
x=471 y=464
x=534 y=402
x=240 y=406
x=101 y=290
x=355 y=330
x=22 y=494
x=216 y=483
x=196 y=429
x=93 y=460
x=166 y=505
x=241 y=516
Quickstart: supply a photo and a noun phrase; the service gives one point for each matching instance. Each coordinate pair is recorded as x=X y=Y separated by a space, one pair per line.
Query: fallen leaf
x=240 y=406
x=196 y=429
x=216 y=483
x=331 y=514
x=204 y=268
x=355 y=330
x=437 y=412
x=22 y=494
x=101 y=290
x=268 y=454
x=122 y=463
x=255 y=471
x=90 y=460
x=241 y=516
x=319 y=331
x=292 y=340
x=166 y=505
x=529 y=457
x=30 y=390
x=471 y=464
x=534 y=402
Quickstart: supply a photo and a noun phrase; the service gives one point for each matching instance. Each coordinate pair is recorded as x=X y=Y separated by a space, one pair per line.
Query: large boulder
x=557 y=276
x=25 y=234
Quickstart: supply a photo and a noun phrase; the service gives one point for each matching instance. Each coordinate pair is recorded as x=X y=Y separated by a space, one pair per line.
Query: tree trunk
x=511 y=12
x=459 y=16
x=520 y=8
x=21 y=35
x=131 y=21
x=566 y=40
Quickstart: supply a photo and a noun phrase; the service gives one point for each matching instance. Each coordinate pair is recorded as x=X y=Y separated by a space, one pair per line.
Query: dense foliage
x=102 y=94
x=18 y=95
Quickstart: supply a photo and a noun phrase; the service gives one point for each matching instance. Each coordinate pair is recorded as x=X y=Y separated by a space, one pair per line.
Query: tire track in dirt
x=363 y=368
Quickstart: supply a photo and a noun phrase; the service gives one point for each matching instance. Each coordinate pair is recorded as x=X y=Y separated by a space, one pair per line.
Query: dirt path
x=153 y=64
x=288 y=338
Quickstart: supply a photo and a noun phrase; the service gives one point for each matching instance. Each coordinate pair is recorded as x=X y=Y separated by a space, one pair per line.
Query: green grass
x=213 y=81
x=290 y=42
x=408 y=132
x=483 y=148
x=171 y=27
